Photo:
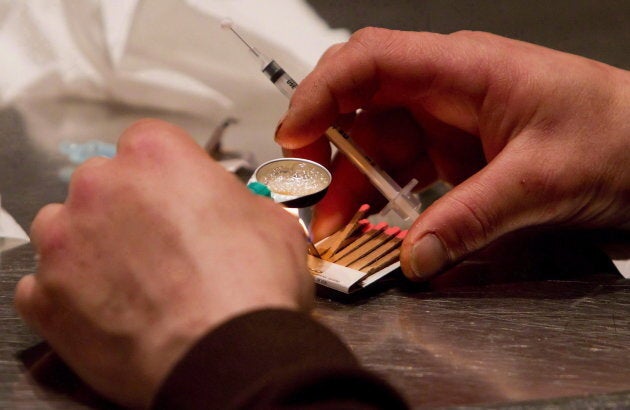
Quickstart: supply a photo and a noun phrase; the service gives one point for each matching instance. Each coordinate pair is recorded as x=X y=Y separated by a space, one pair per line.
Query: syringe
x=401 y=200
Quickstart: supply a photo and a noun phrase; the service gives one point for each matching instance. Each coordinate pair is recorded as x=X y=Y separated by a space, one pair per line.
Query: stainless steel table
x=541 y=320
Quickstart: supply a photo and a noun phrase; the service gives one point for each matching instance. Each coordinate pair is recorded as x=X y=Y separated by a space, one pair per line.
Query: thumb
x=504 y=196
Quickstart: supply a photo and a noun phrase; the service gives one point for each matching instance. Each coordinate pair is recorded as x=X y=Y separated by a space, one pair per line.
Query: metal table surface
x=541 y=320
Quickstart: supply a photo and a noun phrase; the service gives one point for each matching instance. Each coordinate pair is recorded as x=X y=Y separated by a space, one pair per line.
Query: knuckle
x=22 y=297
x=369 y=35
x=331 y=51
x=472 y=34
x=34 y=304
x=47 y=233
x=370 y=41
x=42 y=219
x=140 y=136
x=86 y=182
x=358 y=81
x=147 y=137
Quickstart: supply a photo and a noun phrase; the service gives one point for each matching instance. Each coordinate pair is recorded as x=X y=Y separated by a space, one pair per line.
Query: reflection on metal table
x=540 y=320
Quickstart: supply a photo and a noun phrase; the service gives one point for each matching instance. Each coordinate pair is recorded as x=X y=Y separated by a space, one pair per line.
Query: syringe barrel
x=404 y=205
x=280 y=78
x=387 y=186
x=401 y=201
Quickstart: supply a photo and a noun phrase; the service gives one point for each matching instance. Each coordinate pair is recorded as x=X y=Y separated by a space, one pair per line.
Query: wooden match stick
x=385 y=261
x=379 y=252
x=370 y=233
x=324 y=244
x=347 y=230
x=312 y=250
x=368 y=246
x=363 y=227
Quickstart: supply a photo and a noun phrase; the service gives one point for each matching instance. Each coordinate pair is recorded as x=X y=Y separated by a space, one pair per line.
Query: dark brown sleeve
x=270 y=359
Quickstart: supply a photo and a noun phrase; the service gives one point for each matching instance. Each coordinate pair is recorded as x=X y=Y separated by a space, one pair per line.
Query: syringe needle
x=227 y=24
x=268 y=66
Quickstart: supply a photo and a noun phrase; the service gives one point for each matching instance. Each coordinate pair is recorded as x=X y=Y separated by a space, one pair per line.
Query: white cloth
x=62 y=59
x=158 y=56
x=623 y=266
x=11 y=234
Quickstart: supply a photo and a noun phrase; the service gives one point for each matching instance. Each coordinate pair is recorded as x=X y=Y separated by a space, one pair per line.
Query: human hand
x=151 y=250
x=527 y=135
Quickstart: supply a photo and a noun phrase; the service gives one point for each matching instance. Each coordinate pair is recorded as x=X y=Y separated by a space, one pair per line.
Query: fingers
x=156 y=140
x=319 y=151
x=392 y=139
x=446 y=76
x=51 y=238
x=506 y=195
x=153 y=147
x=24 y=295
x=86 y=182
x=47 y=234
x=33 y=304
x=454 y=154
x=349 y=190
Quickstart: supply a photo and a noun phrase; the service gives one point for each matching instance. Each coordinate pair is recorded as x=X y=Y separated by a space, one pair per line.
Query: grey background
x=598 y=29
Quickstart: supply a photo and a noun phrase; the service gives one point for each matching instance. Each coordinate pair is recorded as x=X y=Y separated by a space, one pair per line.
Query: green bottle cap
x=259 y=189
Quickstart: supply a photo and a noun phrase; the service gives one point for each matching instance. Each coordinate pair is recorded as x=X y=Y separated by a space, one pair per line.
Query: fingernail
x=280 y=125
x=428 y=256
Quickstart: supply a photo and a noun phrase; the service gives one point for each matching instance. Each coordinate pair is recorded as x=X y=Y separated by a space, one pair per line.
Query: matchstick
x=312 y=250
x=385 y=261
x=325 y=243
x=379 y=252
x=347 y=230
x=368 y=246
x=363 y=227
x=370 y=233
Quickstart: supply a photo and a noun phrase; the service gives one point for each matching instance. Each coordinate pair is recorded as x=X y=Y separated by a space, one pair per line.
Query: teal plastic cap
x=259 y=189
